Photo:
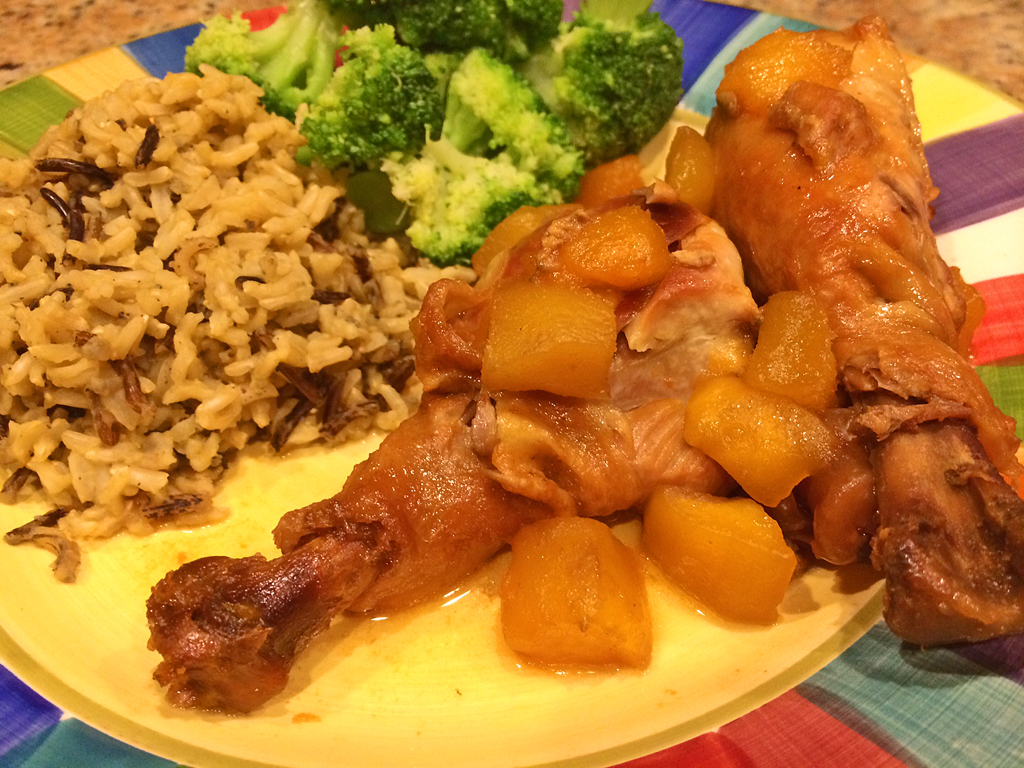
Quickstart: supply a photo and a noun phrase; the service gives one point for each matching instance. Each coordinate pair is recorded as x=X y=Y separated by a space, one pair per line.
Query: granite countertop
x=981 y=38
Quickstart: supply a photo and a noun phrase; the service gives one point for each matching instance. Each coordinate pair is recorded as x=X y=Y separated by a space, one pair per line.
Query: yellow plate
x=433 y=686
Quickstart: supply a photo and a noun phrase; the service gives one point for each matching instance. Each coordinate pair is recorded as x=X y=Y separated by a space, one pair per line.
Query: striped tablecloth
x=879 y=704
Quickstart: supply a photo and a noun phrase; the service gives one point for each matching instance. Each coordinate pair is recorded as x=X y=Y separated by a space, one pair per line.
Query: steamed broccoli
x=382 y=100
x=457 y=199
x=364 y=13
x=613 y=74
x=499 y=149
x=442 y=64
x=492 y=109
x=429 y=114
x=509 y=29
x=292 y=60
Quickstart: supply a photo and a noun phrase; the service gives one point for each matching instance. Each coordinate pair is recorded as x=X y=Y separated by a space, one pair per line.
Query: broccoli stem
x=464 y=129
x=290 y=48
x=449 y=156
x=268 y=41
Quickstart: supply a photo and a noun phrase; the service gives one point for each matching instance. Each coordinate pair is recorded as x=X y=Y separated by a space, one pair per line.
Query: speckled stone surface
x=38 y=34
x=981 y=38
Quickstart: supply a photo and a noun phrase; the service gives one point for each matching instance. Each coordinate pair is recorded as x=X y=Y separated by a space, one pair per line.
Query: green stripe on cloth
x=73 y=744
x=945 y=710
x=29 y=108
x=1006 y=383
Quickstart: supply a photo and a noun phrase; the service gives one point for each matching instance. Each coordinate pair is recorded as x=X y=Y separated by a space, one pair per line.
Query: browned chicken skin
x=825 y=190
x=459 y=478
x=422 y=513
x=952 y=543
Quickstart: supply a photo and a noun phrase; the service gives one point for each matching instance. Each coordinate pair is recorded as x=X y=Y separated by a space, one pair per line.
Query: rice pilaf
x=174 y=286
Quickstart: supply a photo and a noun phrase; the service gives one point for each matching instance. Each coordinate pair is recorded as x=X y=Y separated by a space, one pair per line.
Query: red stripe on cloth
x=1001 y=333
x=711 y=750
x=263 y=18
x=785 y=732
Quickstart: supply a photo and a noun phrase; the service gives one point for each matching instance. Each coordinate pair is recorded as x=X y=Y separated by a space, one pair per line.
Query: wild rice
x=174 y=286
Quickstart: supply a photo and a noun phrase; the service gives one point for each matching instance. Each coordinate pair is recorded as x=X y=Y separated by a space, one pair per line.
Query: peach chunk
x=575 y=595
x=549 y=336
x=760 y=74
x=767 y=442
x=690 y=169
x=513 y=228
x=623 y=248
x=727 y=553
x=609 y=180
x=793 y=356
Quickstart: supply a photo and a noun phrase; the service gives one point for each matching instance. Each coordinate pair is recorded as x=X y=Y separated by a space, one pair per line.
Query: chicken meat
x=823 y=184
x=451 y=486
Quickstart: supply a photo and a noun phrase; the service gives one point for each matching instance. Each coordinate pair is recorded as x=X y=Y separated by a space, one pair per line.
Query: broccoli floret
x=457 y=199
x=382 y=100
x=499 y=149
x=613 y=74
x=364 y=13
x=509 y=29
x=442 y=65
x=491 y=108
x=292 y=60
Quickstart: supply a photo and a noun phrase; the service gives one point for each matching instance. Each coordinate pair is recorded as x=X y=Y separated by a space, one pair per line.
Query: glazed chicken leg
x=458 y=479
x=823 y=185
x=421 y=513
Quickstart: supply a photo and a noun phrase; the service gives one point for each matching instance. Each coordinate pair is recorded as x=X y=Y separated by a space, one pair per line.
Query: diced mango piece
x=513 y=228
x=690 y=168
x=623 y=248
x=575 y=595
x=730 y=355
x=767 y=442
x=793 y=355
x=727 y=553
x=608 y=180
x=760 y=74
x=553 y=337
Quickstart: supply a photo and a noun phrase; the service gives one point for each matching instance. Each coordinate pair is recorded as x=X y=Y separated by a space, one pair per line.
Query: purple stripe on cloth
x=979 y=173
x=23 y=713
x=1004 y=656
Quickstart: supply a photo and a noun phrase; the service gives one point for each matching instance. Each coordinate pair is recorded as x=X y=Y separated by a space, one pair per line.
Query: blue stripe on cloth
x=701 y=96
x=165 y=52
x=945 y=710
x=979 y=173
x=23 y=713
x=704 y=28
x=73 y=744
x=21 y=753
